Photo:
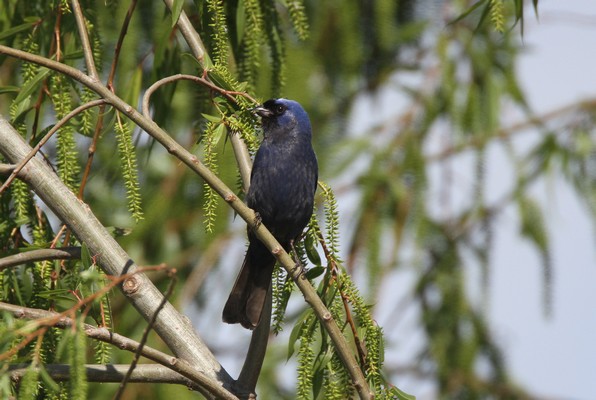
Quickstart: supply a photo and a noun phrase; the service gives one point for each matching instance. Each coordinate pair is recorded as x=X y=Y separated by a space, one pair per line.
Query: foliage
x=459 y=78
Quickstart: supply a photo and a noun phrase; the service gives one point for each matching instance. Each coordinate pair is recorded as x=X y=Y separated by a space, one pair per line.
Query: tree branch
x=82 y=27
x=64 y=253
x=124 y=343
x=144 y=373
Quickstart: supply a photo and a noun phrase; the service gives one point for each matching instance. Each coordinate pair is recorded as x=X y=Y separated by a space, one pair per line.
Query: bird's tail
x=249 y=293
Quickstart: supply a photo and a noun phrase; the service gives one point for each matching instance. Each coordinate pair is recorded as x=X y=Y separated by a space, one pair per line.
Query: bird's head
x=284 y=118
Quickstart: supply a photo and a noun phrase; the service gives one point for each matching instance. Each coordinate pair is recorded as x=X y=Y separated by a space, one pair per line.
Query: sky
x=554 y=357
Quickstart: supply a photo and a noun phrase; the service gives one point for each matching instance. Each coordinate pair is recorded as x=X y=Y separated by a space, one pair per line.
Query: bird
x=282 y=189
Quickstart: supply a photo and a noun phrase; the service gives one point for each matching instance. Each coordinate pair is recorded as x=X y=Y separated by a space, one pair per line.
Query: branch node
x=230 y=197
x=131 y=285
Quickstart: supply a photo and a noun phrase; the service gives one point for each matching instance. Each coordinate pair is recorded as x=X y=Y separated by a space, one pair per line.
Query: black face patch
x=277 y=108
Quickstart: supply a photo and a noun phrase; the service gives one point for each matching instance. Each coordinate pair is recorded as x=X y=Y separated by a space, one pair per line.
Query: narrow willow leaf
x=314 y=273
x=216 y=119
x=311 y=250
x=176 y=11
x=32 y=84
x=86 y=256
x=49 y=382
x=467 y=12
x=17 y=29
x=9 y=89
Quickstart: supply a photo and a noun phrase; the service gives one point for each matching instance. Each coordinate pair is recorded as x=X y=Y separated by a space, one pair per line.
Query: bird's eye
x=279 y=109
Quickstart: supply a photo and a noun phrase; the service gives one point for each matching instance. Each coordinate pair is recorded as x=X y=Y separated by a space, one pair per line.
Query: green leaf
x=216 y=119
x=314 y=272
x=56 y=294
x=176 y=11
x=296 y=332
x=217 y=134
x=49 y=382
x=466 y=13
x=240 y=21
x=311 y=250
x=86 y=256
x=9 y=89
x=32 y=84
x=17 y=29
x=401 y=395
x=532 y=223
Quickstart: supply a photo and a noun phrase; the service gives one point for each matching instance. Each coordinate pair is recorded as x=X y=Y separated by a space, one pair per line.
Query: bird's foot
x=297 y=263
x=258 y=220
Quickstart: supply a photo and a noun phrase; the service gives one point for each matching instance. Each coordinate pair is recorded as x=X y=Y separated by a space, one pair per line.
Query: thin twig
x=177 y=77
x=83 y=34
x=118 y=47
x=47 y=137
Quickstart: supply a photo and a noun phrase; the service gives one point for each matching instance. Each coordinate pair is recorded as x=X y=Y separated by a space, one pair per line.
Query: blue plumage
x=283 y=184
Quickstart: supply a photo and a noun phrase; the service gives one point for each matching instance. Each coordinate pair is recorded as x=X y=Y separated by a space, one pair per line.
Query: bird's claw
x=297 y=263
x=299 y=266
x=258 y=220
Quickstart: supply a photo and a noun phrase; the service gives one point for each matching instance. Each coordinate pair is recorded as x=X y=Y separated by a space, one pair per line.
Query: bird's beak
x=262 y=112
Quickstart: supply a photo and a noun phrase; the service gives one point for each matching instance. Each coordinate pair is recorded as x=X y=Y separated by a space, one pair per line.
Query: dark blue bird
x=282 y=189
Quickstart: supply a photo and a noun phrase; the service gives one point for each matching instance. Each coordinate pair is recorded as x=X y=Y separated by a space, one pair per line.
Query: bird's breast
x=282 y=188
